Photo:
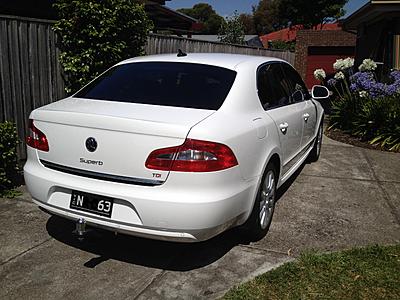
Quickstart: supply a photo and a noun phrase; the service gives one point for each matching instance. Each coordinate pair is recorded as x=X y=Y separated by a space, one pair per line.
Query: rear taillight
x=192 y=156
x=36 y=138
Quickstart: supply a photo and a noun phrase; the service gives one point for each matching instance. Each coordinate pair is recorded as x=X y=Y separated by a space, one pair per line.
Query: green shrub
x=385 y=125
x=365 y=107
x=283 y=45
x=8 y=156
x=232 y=31
x=344 y=111
x=97 y=34
x=376 y=120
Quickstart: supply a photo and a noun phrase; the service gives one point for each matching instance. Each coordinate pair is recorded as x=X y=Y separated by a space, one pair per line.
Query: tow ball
x=80 y=229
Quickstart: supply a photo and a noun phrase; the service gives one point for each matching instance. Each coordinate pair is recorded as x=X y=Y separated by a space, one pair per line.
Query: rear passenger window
x=273 y=89
x=298 y=91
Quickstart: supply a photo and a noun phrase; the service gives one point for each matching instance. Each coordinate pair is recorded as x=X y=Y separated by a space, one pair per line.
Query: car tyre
x=259 y=221
x=316 y=150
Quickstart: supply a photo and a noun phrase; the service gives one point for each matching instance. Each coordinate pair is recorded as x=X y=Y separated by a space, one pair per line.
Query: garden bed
x=365 y=110
x=343 y=137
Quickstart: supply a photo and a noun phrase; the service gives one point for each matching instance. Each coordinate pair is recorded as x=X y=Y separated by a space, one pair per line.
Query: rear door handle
x=306 y=116
x=283 y=127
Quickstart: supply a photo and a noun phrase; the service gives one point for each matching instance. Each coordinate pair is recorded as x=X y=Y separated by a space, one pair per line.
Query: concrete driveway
x=350 y=197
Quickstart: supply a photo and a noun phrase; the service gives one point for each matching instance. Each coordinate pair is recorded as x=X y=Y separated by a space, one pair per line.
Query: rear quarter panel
x=240 y=134
x=320 y=115
x=241 y=124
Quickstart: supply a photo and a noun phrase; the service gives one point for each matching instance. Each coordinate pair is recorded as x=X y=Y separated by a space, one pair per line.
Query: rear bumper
x=140 y=231
x=187 y=207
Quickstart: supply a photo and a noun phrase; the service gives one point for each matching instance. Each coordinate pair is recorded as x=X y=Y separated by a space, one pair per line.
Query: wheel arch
x=276 y=161
x=274 y=158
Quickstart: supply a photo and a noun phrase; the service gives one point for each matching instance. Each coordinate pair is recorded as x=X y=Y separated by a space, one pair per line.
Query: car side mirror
x=319 y=92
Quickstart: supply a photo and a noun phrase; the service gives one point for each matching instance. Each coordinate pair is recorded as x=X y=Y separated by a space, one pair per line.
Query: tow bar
x=80 y=229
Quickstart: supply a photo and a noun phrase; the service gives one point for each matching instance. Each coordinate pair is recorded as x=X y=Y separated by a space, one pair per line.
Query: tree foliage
x=311 y=13
x=248 y=23
x=267 y=17
x=272 y=15
x=204 y=13
x=232 y=32
x=97 y=34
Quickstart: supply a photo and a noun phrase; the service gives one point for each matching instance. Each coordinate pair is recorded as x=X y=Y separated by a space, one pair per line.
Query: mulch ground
x=343 y=137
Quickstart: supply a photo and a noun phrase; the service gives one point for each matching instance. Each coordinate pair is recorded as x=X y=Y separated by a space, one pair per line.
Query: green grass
x=10 y=193
x=366 y=273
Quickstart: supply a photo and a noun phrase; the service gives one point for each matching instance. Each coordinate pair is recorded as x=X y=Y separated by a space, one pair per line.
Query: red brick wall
x=327 y=38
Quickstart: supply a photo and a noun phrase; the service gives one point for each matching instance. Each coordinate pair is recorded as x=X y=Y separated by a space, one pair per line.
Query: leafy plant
x=364 y=107
x=232 y=32
x=283 y=45
x=97 y=34
x=386 y=131
x=8 y=157
x=344 y=112
x=376 y=120
x=11 y=193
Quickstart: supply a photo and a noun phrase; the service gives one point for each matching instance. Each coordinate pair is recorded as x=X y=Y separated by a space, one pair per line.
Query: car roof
x=224 y=60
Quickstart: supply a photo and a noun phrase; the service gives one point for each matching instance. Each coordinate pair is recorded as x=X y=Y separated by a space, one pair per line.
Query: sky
x=227 y=7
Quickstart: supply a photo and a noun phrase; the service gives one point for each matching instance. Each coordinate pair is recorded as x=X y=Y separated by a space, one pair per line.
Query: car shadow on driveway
x=151 y=253
x=141 y=251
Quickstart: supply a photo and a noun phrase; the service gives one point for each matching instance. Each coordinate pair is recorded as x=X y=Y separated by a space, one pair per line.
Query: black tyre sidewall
x=252 y=225
x=314 y=154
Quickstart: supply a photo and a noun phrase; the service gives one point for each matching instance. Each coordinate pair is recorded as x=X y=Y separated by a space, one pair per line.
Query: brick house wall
x=320 y=39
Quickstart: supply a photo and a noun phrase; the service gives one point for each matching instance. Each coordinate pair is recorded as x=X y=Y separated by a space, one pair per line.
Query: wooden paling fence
x=31 y=75
x=169 y=44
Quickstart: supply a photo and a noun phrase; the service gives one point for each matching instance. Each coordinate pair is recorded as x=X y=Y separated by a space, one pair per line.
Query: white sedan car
x=175 y=147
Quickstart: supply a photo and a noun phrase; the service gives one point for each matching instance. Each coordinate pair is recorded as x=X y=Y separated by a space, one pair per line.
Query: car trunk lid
x=124 y=133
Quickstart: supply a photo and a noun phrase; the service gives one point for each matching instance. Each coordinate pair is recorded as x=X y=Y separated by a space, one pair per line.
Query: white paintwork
x=131 y=132
x=310 y=122
x=286 y=119
x=187 y=206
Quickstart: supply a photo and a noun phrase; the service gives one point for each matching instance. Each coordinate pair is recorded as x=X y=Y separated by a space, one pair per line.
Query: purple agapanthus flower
x=395 y=75
x=362 y=81
x=365 y=81
x=331 y=82
x=377 y=89
x=392 y=89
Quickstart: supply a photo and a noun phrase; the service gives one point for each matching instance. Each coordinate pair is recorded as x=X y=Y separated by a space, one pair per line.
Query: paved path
x=350 y=197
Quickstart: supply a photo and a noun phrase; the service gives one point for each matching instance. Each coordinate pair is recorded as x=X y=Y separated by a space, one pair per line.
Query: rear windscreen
x=163 y=83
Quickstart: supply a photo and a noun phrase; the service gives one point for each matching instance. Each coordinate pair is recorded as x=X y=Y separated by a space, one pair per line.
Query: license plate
x=95 y=204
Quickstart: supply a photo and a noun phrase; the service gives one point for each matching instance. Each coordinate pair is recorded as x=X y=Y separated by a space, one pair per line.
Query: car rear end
x=120 y=155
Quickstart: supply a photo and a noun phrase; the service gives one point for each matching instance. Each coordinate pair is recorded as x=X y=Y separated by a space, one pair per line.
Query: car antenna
x=181 y=53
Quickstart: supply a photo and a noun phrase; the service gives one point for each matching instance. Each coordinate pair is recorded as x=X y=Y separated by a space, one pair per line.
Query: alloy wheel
x=267 y=202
